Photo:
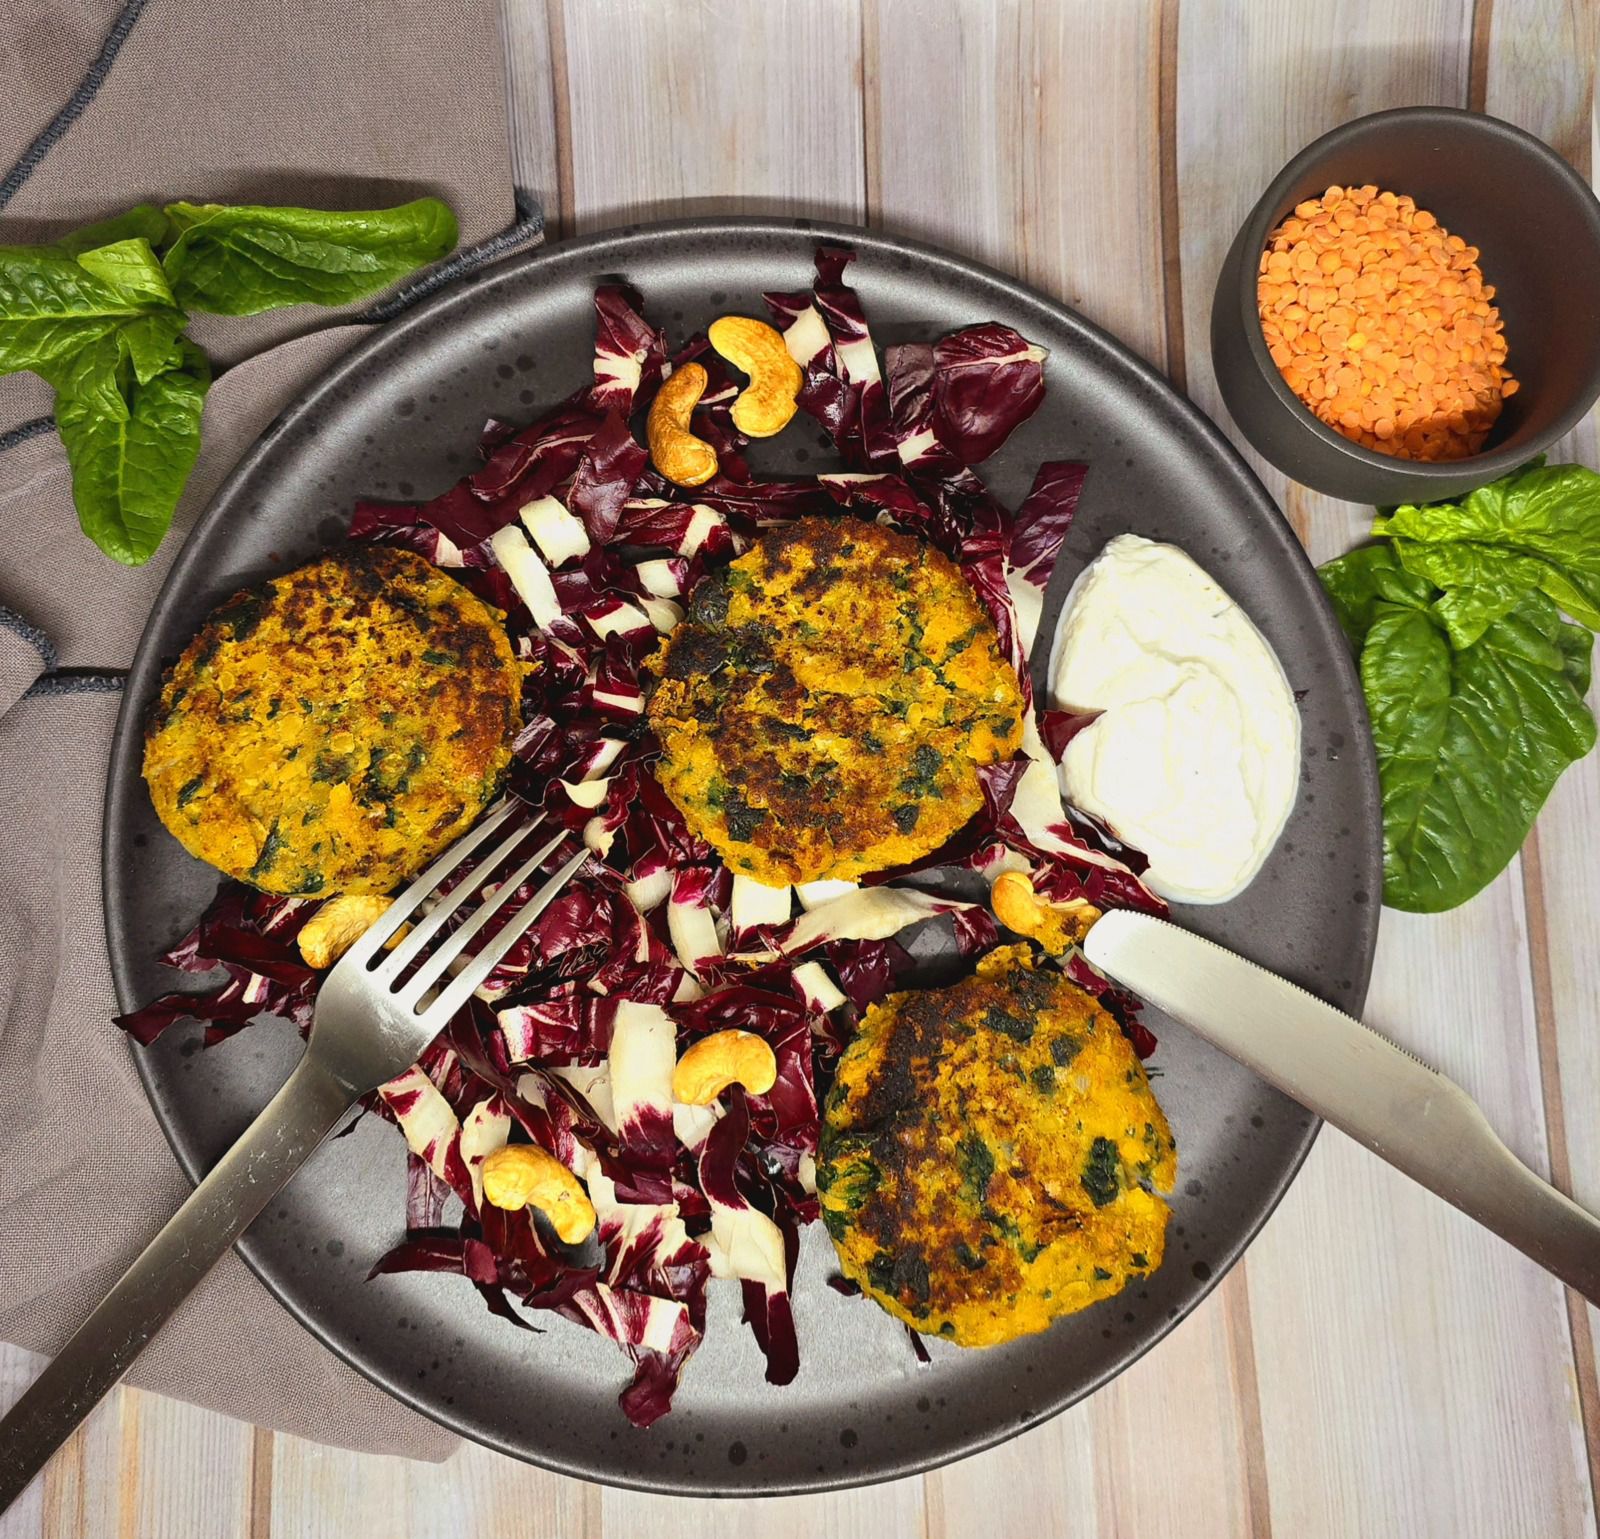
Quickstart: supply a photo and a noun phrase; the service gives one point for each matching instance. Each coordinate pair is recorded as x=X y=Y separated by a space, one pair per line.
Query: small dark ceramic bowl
x=1537 y=227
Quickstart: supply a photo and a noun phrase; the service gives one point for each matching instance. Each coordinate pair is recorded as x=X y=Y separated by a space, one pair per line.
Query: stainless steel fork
x=375 y=1013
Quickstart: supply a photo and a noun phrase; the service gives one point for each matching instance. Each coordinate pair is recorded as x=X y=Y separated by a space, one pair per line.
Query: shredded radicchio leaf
x=953 y=402
x=1043 y=520
x=987 y=381
x=571 y=1042
x=629 y=353
x=610 y=465
x=865 y=427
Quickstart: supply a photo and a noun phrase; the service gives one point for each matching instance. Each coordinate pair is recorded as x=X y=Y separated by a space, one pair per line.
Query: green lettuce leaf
x=146 y=222
x=1357 y=583
x=51 y=304
x=1469 y=740
x=1478 y=588
x=151 y=343
x=131 y=268
x=148 y=341
x=1539 y=528
x=93 y=376
x=1577 y=656
x=101 y=316
x=242 y=260
x=129 y=470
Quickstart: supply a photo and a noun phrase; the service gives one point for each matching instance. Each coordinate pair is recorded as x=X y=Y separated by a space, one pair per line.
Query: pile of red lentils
x=1380 y=321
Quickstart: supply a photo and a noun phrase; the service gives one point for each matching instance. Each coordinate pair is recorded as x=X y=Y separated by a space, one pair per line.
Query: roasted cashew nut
x=766 y=404
x=1056 y=926
x=722 y=1059
x=523 y=1176
x=337 y=926
x=681 y=457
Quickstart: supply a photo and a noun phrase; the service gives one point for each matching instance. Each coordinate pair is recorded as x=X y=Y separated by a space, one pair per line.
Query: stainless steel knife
x=1405 y=1112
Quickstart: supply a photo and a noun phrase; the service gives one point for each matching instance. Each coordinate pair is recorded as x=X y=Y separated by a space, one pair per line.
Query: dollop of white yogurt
x=1195 y=756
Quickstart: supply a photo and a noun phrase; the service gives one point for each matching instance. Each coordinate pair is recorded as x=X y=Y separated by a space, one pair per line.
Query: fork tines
x=411 y=971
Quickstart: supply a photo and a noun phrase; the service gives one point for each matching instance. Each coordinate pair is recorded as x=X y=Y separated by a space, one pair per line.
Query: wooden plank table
x=1378 y=1366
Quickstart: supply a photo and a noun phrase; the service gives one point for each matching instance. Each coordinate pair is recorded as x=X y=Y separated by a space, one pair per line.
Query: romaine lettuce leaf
x=129 y=468
x=1470 y=741
x=145 y=222
x=51 y=305
x=1357 y=583
x=1539 y=528
x=240 y=259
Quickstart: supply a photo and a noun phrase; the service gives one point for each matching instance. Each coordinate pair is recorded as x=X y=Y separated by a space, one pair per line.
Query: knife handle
x=1489 y=1183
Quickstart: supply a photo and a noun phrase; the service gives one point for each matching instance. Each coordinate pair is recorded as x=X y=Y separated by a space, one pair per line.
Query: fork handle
x=102 y=1349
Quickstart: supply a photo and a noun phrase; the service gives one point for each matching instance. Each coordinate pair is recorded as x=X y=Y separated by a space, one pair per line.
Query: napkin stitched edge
x=10 y=620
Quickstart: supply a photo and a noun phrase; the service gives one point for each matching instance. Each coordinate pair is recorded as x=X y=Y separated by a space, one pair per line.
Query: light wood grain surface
x=1378 y=1366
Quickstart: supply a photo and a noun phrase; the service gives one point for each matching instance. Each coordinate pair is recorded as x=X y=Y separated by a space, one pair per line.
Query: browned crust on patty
x=333 y=729
x=992 y=1154
x=825 y=706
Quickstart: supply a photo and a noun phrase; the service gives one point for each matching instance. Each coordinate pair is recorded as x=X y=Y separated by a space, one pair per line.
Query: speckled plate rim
x=609 y=250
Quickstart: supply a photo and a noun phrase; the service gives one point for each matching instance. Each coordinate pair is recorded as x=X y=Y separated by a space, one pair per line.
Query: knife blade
x=1355 y=1078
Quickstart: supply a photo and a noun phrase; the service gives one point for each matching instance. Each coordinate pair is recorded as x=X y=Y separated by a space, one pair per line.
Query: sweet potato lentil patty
x=988 y=1155
x=825 y=705
x=337 y=727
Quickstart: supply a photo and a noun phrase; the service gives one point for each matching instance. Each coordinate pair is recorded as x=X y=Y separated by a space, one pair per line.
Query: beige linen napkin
x=107 y=105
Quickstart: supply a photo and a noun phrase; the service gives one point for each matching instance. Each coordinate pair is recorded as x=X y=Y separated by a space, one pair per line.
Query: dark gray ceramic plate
x=398 y=417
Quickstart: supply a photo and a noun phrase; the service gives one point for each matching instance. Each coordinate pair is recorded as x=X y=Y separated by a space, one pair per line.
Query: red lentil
x=1380 y=322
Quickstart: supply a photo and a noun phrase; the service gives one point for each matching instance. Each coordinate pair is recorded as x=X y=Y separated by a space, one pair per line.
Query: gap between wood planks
x=556 y=20
x=1171 y=244
x=262 y=1443
x=129 y=1410
x=1478 y=64
x=1558 y=1154
x=1555 y=1130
